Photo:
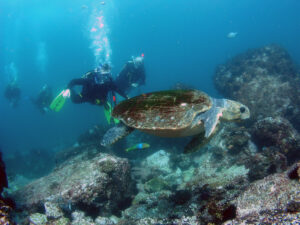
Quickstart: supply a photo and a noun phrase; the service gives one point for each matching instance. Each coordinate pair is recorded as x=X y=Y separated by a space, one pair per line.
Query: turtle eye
x=242 y=109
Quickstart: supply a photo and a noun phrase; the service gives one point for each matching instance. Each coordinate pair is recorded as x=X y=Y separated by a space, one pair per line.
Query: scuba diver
x=12 y=93
x=96 y=85
x=98 y=88
x=132 y=75
x=43 y=99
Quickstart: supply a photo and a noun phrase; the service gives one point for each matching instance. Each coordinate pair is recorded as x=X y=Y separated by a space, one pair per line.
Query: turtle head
x=234 y=110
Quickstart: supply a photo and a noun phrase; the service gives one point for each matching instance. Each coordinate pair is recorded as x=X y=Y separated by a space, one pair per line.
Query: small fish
x=232 y=34
x=103 y=3
x=138 y=146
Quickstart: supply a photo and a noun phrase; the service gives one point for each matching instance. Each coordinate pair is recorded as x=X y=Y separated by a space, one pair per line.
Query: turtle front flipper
x=211 y=120
x=115 y=133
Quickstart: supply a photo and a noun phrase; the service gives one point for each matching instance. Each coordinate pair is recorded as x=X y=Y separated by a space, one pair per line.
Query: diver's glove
x=66 y=93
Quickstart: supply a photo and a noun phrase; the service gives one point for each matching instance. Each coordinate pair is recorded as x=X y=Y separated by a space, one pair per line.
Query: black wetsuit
x=129 y=75
x=95 y=88
x=44 y=99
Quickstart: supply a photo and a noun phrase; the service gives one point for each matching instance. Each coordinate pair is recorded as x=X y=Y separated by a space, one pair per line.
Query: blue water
x=50 y=42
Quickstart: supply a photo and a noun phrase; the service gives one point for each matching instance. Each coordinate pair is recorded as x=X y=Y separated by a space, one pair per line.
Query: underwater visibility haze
x=182 y=42
x=211 y=45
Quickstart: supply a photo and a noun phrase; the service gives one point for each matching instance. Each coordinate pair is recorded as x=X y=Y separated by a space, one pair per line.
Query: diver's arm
x=79 y=81
x=118 y=90
x=76 y=97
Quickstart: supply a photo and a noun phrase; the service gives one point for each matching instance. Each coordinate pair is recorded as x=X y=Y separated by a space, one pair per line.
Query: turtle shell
x=163 y=110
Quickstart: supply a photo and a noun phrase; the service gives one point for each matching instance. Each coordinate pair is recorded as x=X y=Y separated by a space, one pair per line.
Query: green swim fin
x=57 y=104
x=116 y=121
x=107 y=113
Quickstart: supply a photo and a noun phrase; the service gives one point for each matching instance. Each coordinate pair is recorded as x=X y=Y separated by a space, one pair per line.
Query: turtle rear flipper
x=197 y=142
x=115 y=133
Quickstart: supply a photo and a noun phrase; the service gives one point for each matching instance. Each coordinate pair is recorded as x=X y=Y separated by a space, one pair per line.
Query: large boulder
x=278 y=134
x=272 y=200
x=264 y=79
x=99 y=185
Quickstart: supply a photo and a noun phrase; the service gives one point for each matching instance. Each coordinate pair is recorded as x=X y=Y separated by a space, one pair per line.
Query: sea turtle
x=174 y=113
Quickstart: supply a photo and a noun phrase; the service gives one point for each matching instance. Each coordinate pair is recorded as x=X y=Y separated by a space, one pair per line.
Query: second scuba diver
x=132 y=75
x=43 y=99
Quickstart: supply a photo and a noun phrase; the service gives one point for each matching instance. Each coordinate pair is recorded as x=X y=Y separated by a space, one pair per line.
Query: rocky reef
x=101 y=185
x=272 y=200
x=277 y=135
x=202 y=188
x=266 y=80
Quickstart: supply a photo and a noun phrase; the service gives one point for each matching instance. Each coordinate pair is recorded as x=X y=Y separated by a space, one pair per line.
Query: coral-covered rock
x=184 y=220
x=277 y=133
x=38 y=219
x=272 y=200
x=159 y=161
x=233 y=146
x=272 y=195
x=213 y=205
x=79 y=218
x=52 y=210
x=294 y=172
x=104 y=221
x=61 y=221
x=100 y=184
x=154 y=205
x=54 y=216
x=265 y=80
x=266 y=162
x=235 y=140
x=156 y=184
x=280 y=218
